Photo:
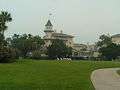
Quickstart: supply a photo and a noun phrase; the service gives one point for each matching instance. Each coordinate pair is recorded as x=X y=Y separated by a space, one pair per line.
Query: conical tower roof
x=49 y=23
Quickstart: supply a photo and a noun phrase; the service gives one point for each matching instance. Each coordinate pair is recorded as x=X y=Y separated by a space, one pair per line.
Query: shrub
x=7 y=55
x=36 y=54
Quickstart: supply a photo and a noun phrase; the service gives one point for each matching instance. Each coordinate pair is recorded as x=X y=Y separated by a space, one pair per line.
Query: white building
x=79 y=50
x=116 y=39
x=51 y=34
x=85 y=50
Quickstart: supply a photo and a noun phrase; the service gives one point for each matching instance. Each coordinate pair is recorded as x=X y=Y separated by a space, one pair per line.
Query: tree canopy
x=104 y=41
x=107 y=48
x=58 y=49
x=5 y=17
x=25 y=43
x=6 y=54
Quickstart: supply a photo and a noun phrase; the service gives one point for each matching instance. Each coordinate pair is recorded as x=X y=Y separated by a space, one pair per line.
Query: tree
x=107 y=49
x=36 y=54
x=58 y=49
x=6 y=54
x=110 y=52
x=105 y=40
x=25 y=43
x=2 y=41
x=4 y=18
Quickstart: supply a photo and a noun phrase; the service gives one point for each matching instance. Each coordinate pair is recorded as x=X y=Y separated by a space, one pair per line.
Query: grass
x=50 y=75
x=118 y=72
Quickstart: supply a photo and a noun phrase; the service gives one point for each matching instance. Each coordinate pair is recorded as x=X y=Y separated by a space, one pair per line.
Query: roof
x=49 y=23
x=61 y=35
x=48 y=31
x=117 y=35
x=76 y=44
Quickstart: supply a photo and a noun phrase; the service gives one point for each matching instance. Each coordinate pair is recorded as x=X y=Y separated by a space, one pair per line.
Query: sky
x=84 y=19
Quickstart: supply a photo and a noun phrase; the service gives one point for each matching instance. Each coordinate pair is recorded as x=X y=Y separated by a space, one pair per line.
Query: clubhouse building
x=79 y=50
x=51 y=34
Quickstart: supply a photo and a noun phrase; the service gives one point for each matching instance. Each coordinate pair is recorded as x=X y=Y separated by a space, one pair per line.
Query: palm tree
x=5 y=17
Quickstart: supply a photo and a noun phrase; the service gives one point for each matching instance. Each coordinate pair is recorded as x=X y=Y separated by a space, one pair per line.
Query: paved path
x=106 y=79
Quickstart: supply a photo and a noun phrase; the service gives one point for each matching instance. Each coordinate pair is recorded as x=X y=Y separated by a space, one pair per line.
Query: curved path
x=106 y=79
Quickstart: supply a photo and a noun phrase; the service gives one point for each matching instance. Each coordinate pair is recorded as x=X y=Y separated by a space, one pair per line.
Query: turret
x=48 y=29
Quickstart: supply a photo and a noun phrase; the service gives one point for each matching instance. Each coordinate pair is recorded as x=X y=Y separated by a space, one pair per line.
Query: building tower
x=48 y=29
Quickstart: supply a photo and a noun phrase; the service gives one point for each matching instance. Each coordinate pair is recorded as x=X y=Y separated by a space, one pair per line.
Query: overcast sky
x=85 y=19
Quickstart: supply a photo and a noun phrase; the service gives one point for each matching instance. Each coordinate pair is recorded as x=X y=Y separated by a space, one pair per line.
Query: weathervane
x=50 y=14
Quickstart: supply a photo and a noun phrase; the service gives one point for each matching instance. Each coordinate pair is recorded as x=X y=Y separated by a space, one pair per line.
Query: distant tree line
x=25 y=44
x=29 y=46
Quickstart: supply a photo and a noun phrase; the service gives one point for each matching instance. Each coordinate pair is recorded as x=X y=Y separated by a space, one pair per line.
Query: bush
x=17 y=53
x=36 y=54
x=7 y=55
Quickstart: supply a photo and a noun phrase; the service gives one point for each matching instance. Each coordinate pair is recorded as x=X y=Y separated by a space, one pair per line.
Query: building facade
x=116 y=39
x=79 y=50
x=85 y=50
x=51 y=34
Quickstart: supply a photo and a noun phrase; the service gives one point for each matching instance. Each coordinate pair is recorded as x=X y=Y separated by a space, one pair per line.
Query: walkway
x=106 y=79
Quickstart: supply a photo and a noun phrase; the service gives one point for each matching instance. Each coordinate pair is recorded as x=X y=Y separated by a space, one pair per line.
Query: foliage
x=2 y=40
x=110 y=52
x=25 y=43
x=36 y=54
x=58 y=49
x=105 y=40
x=118 y=72
x=7 y=55
x=108 y=49
x=5 y=17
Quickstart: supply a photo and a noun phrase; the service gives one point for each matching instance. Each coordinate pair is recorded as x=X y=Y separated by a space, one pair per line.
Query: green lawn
x=118 y=72
x=49 y=75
